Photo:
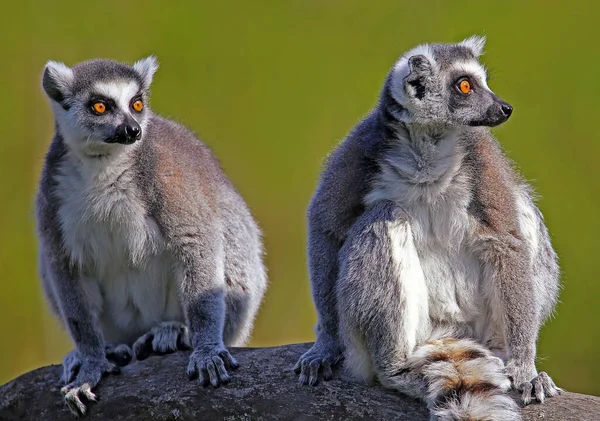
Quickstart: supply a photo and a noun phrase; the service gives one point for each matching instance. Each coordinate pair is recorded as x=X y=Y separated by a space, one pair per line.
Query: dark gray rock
x=263 y=388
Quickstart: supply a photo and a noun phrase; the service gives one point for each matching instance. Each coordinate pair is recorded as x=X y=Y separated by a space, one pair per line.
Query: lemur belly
x=454 y=277
x=126 y=271
x=130 y=300
x=452 y=272
x=452 y=280
x=455 y=281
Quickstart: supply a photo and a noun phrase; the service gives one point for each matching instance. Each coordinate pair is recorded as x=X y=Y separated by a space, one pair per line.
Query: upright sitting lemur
x=141 y=233
x=431 y=267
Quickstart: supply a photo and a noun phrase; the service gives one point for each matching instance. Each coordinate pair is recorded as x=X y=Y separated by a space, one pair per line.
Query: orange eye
x=465 y=87
x=99 y=107
x=138 y=105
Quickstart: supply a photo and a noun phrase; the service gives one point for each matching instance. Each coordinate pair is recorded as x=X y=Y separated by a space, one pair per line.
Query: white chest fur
x=427 y=183
x=451 y=271
x=127 y=272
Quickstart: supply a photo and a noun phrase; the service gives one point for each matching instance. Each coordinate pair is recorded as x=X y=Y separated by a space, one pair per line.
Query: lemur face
x=99 y=103
x=446 y=84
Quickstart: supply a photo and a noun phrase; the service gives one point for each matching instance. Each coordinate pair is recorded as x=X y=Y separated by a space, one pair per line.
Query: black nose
x=506 y=110
x=132 y=132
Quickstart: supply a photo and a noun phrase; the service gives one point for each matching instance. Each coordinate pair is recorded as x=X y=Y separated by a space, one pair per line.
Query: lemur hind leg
x=386 y=329
x=164 y=338
x=381 y=293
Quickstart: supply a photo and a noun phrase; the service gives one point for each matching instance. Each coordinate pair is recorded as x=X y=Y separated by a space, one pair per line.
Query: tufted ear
x=419 y=65
x=420 y=70
x=57 y=81
x=146 y=68
x=475 y=43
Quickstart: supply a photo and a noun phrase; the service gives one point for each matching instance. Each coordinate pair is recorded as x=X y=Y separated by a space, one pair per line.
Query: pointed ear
x=475 y=43
x=57 y=81
x=419 y=65
x=146 y=68
x=420 y=68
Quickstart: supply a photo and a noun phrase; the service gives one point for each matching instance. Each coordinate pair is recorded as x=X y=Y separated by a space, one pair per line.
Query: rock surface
x=263 y=388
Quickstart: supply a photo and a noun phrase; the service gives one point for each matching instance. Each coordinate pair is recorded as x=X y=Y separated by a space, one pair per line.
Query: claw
x=526 y=395
x=538 y=388
x=89 y=371
x=212 y=373
x=541 y=386
x=327 y=371
x=305 y=372
x=549 y=388
x=314 y=372
x=229 y=360
x=303 y=379
x=87 y=392
x=314 y=361
x=528 y=381
x=73 y=401
x=210 y=367
x=221 y=371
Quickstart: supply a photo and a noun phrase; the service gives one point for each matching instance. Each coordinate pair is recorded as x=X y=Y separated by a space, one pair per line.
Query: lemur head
x=445 y=84
x=99 y=104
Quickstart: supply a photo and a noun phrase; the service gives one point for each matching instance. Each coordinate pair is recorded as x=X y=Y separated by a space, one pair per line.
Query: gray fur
x=140 y=240
x=425 y=246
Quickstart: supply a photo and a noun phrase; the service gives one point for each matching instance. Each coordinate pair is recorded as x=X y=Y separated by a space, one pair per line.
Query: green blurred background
x=272 y=87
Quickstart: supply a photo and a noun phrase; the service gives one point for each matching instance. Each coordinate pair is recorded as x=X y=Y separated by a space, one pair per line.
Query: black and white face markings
x=446 y=84
x=99 y=102
x=115 y=108
x=470 y=101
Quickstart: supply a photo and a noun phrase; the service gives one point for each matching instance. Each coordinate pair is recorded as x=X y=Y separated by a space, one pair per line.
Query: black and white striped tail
x=459 y=379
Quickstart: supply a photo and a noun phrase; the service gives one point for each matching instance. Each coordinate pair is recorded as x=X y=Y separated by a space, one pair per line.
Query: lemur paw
x=528 y=382
x=121 y=354
x=542 y=387
x=318 y=358
x=81 y=375
x=164 y=338
x=208 y=365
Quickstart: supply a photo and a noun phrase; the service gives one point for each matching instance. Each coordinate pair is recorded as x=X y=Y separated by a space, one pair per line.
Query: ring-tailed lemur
x=430 y=264
x=141 y=233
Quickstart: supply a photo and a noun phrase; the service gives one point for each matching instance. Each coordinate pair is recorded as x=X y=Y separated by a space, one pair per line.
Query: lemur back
x=144 y=242
x=431 y=267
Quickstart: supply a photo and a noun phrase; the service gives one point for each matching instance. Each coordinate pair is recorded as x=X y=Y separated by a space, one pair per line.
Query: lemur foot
x=82 y=374
x=318 y=358
x=208 y=365
x=528 y=381
x=164 y=338
x=120 y=354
